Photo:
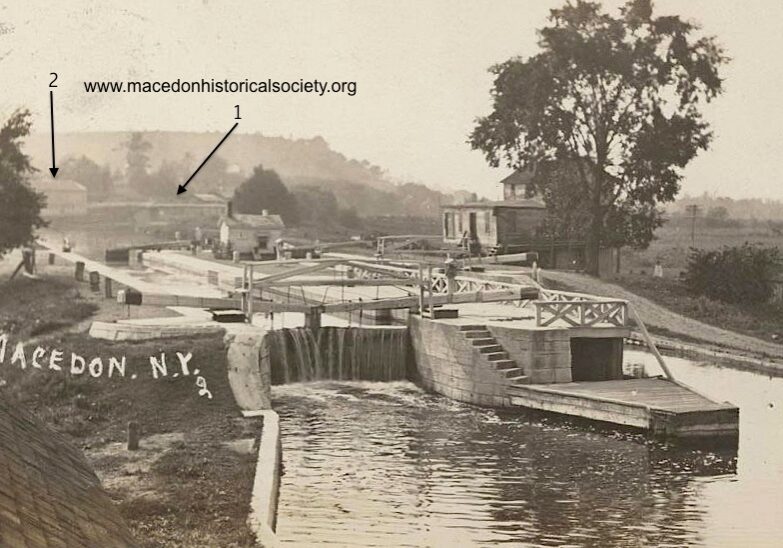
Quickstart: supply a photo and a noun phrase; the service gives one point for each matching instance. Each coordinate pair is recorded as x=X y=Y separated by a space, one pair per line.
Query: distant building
x=511 y=226
x=250 y=234
x=463 y=197
x=150 y=214
x=208 y=198
x=515 y=185
x=493 y=224
x=497 y=224
x=63 y=197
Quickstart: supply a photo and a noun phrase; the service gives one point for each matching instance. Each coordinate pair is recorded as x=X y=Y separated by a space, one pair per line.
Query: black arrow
x=183 y=188
x=54 y=169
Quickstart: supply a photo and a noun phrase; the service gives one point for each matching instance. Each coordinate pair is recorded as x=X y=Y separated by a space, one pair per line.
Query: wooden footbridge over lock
x=661 y=405
x=423 y=288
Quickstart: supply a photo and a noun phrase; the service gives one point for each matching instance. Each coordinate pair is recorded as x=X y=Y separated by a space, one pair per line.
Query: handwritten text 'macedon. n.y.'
x=57 y=360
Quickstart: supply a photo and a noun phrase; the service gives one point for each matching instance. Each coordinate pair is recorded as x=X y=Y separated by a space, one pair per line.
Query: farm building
x=511 y=226
x=63 y=197
x=515 y=185
x=499 y=224
x=160 y=214
x=493 y=224
x=250 y=234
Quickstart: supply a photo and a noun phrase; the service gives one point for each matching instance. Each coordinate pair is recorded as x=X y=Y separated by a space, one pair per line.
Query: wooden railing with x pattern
x=439 y=283
x=551 y=306
x=579 y=309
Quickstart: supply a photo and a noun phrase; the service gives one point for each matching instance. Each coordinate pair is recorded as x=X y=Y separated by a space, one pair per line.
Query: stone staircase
x=493 y=354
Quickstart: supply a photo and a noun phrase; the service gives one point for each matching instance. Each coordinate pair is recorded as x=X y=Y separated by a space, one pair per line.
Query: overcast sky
x=421 y=68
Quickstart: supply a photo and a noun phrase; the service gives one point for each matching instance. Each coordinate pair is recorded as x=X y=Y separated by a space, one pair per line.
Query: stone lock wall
x=248 y=373
x=544 y=354
x=448 y=364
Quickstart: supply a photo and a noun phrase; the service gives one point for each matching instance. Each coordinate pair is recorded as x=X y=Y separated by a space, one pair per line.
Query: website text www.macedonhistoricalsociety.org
x=212 y=85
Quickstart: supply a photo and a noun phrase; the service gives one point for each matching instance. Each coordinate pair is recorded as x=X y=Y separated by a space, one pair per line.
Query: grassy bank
x=29 y=308
x=762 y=321
x=190 y=482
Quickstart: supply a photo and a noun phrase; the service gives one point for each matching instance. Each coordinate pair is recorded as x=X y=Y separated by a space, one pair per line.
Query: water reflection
x=373 y=464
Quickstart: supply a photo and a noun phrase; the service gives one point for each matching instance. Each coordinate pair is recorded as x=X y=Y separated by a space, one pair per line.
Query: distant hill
x=355 y=183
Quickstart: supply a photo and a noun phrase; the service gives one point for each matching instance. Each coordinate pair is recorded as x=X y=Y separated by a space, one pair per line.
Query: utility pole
x=693 y=210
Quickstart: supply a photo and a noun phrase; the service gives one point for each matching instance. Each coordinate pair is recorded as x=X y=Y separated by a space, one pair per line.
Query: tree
x=138 y=163
x=566 y=214
x=316 y=206
x=212 y=176
x=20 y=205
x=740 y=274
x=319 y=207
x=265 y=190
x=619 y=97
x=349 y=218
x=168 y=174
x=95 y=178
x=719 y=217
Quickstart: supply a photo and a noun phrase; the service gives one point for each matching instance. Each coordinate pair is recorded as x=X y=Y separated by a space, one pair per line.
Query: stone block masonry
x=462 y=363
x=248 y=374
x=544 y=354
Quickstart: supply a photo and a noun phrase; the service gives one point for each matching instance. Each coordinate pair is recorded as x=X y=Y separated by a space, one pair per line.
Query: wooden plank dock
x=661 y=406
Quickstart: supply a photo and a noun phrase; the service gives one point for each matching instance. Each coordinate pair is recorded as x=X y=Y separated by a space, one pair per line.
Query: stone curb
x=266 y=485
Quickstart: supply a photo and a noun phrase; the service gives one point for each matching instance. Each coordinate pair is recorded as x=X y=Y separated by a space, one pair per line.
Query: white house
x=254 y=234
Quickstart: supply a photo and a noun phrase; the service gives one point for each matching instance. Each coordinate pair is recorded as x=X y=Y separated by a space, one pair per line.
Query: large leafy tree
x=265 y=190
x=20 y=205
x=618 y=98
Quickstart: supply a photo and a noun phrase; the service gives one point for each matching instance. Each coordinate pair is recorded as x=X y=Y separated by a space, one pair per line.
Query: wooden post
x=429 y=286
x=51 y=258
x=250 y=295
x=313 y=319
x=133 y=436
x=451 y=282
x=95 y=281
x=107 y=289
x=421 y=291
x=80 y=271
x=245 y=292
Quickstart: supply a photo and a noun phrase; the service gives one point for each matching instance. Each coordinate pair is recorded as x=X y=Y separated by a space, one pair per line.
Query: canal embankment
x=683 y=335
x=192 y=448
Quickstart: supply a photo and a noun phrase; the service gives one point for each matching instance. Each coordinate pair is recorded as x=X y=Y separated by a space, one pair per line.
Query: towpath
x=656 y=316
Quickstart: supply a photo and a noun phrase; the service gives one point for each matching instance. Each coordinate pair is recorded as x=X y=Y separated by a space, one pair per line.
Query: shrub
x=740 y=274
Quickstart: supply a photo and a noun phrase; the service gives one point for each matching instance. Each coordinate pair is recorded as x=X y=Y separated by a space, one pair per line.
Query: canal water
x=385 y=464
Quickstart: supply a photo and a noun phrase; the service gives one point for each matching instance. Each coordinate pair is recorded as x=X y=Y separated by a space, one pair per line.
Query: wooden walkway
x=152 y=293
x=661 y=406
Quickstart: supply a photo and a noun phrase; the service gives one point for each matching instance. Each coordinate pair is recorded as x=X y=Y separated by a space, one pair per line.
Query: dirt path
x=656 y=316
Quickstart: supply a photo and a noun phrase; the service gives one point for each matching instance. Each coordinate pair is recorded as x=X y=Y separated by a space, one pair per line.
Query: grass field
x=671 y=247
x=673 y=241
x=190 y=482
x=762 y=321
